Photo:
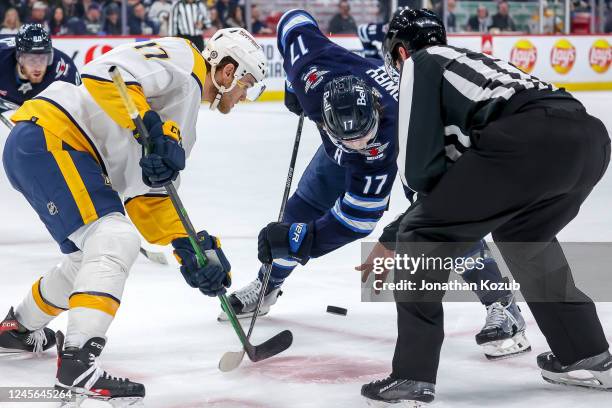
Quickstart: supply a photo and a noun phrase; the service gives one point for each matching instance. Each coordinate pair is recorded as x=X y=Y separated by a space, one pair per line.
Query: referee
x=189 y=19
x=489 y=149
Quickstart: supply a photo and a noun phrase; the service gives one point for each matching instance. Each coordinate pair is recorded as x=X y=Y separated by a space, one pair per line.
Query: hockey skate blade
x=395 y=404
x=223 y=317
x=231 y=360
x=271 y=347
x=507 y=348
x=581 y=378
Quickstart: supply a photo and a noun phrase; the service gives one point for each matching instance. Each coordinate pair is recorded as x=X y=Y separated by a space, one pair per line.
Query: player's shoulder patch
x=61 y=68
x=313 y=77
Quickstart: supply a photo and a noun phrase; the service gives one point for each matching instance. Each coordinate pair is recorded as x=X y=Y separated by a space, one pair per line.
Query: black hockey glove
x=215 y=275
x=166 y=157
x=292 y=103
x=283 y=240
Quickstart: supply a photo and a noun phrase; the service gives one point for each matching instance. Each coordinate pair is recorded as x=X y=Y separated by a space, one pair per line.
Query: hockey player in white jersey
x=74 y=156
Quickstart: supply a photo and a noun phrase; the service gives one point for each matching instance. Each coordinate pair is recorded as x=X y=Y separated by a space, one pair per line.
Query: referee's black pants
x=523 y=181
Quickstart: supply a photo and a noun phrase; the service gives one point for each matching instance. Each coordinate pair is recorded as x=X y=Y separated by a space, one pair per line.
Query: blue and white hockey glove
x=166 y=157
x=212 y=278
x=283 y=240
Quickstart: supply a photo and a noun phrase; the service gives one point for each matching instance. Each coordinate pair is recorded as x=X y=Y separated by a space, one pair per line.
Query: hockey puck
x=336 y=310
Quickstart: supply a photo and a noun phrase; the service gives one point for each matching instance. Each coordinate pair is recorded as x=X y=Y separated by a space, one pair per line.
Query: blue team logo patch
x=312 y=78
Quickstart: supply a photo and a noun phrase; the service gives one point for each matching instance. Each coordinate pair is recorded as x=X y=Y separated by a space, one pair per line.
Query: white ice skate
x=244 y=301
x=503 y=334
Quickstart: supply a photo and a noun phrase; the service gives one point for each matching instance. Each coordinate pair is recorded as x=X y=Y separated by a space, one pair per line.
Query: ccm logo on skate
x=97 y=345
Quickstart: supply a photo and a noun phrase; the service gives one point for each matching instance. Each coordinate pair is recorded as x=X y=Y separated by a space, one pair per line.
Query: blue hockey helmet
x=33 y=39
x=350 y=111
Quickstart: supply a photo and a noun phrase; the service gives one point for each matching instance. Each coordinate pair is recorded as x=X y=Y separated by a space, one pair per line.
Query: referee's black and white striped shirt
x=446 y=93
x=184 y=17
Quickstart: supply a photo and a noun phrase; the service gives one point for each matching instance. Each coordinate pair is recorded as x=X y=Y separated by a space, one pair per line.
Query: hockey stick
x=231 y=359
x=270 y=347
x=153 y=256
x=6 y=106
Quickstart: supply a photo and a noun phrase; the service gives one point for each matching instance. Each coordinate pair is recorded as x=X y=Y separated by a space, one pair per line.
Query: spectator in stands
x=189 y=19
x=215 y=22
x=235 y=18
x=224 y=8
x=93 y=19
x=112 y=20
x=57 y=26
x=257 y=26
x=502 y=20
x=38 y=14
x=479 y=22
x=451 y=19
x=343 y=22
x=159 y=12
x=11 y=22
x=139 y=23
x=72 y=8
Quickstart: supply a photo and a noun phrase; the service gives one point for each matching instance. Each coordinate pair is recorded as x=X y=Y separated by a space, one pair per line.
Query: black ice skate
x=244 y=301
x=400 y=393
x=14 y=338
x=593 y=372
x=503 y=334
x=79 y=371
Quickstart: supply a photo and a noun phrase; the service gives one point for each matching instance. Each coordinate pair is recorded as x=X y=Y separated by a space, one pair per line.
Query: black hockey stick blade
x=271 y=347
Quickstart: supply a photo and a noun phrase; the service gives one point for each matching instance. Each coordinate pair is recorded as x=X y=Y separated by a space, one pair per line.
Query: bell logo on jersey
x=312 y=78
x=61 y=69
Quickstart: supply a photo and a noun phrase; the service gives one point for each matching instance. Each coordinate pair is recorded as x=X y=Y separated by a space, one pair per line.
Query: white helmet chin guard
x=240 y=45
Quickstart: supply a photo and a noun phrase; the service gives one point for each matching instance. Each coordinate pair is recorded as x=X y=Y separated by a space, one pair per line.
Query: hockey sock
x=49 y=294
x=110 y=246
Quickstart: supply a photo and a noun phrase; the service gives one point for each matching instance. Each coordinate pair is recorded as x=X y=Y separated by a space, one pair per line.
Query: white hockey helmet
x=240 y=45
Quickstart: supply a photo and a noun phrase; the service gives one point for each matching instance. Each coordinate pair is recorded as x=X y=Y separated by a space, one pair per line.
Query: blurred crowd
x=163 y=17
x=103 y=17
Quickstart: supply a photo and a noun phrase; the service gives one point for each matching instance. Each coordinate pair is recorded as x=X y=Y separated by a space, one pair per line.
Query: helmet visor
x=360 y=141
x=254 y=91
x=35 y=60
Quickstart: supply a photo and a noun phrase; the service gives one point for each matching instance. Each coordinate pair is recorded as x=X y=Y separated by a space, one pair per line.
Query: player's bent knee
x=113 y=240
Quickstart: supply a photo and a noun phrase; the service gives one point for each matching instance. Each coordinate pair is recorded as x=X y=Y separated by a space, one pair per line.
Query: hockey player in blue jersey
x=371 y=36
x=346 y=188
x=29 y=63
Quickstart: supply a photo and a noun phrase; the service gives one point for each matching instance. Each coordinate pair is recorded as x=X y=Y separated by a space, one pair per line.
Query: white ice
x=166 y=335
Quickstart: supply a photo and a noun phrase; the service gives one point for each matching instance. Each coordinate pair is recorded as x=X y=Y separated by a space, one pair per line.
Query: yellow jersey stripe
x=106 y=95
x=42 y=304
x=75 y=185
x=52 y=117
x=198 y=71
x=155 y=218
x=94 y=300
x=53 y=142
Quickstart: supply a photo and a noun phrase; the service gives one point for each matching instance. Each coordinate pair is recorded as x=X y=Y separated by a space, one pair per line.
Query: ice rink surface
x=166 y=336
